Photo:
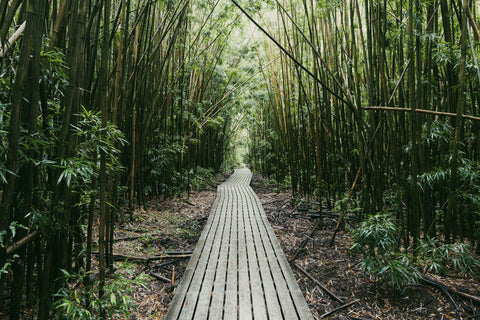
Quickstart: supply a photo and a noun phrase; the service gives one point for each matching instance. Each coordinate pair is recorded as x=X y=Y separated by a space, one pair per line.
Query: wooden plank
x=301 y=305
x=231 y=294
x=216 y=307
x=191 y=296
x=288 y=308
x=205 y=295
x=258 y=299
x=244 y=294
x=273 y=305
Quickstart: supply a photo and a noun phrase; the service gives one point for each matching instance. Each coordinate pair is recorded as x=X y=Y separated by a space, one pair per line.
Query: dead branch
x=436 y=113
x=339 y=308
x=466 y=295
x=443 y=288
x=131 y=238
x=305 y=241
x=20 y=243
x=189 y=202
x=13 y=38
x=447 y=290
x=160 y=277
x=319 y=284
x=120 y=257
x=176 y=253
x=178 y=256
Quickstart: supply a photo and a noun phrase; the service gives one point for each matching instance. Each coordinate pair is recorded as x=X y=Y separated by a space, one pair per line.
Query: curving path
x=238 y=269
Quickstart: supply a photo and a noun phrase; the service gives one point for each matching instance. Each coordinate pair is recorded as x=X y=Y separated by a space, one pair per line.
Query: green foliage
x=54 y=73
x=4 y=240
x=95 y=139
x=375 y=240
x=441 y=258
x=77 y=301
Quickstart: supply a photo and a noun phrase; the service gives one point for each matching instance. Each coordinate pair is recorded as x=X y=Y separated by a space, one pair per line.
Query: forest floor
x=172 y=227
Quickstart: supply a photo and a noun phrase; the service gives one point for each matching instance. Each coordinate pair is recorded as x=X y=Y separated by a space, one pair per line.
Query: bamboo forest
x=359 y=119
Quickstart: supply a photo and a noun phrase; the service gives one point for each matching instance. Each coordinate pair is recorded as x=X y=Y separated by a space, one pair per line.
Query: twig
x=319 y=284
x=339 y=308
x=163 y=264
x=146 y=259
x=305 y=241
x=443 y=288
x=20 y=243
x=176 y=253
x=189 y=202
x=131 y=238
x=159 y=277
x=436 y=113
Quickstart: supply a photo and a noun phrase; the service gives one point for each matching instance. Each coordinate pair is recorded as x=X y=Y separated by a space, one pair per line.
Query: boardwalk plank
x=297 y=295
x=273 y=306
x=218 y=295
x=208 y=281
x=231 y=294
x=244 y=294
x=258 y=299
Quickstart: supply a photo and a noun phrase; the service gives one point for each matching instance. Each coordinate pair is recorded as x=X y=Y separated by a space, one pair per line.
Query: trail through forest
x=368 y=108
x=334 y=267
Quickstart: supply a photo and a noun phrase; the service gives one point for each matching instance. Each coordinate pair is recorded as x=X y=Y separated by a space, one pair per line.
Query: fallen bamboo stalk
x=339 y=308
x=13 y=38
x=447 y=290
x=131 y=238
x=319 y=284
x=305 y=241
x=160 y=277
x=163 y=264
x=119 y=256
x=20 y=243
x=177 y=253
x=436 y=113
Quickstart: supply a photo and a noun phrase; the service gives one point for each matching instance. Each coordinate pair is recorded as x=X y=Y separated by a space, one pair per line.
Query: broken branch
x=339 y=308
x=319 y=284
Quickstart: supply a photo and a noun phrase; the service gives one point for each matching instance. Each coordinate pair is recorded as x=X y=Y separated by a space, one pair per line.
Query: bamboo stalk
x=436 y=113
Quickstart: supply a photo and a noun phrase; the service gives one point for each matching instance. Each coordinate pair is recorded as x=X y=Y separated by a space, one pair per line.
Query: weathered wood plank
x=218 y=295
x=231 y=294
x=271 y=297
x=206 y=289
x=258 y=298
x=244 y=294
x=288 y=308
x=297 y=295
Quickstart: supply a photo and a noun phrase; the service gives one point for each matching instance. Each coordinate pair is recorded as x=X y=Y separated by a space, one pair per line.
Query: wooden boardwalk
x=238 y=269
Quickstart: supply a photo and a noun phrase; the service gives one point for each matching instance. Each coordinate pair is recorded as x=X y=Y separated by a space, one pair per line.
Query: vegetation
x=375 y=239
x=375 y=102
x=107 y=103
x=104 y=104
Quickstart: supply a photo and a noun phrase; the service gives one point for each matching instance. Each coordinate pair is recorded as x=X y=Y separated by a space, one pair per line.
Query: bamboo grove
x=103 y=104
x=385 y=119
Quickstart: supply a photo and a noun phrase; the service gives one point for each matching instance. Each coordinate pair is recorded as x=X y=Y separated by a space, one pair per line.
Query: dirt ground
x=173 y=226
